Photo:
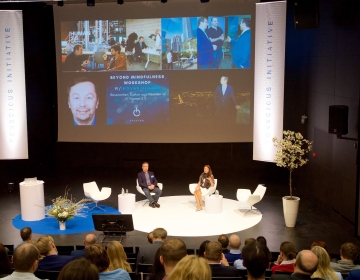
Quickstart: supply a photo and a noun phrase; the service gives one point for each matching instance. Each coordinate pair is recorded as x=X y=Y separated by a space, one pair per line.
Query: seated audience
x=324 y=270
x=89 y=240
x=148 y=251
x=79 y=269
x=239 y=263
x=261 y=239
x=26 y=235
x=5 y=265
x=117 y=256
x=157 y=269
x=234 y=244
x=321 y=244
x=150 y=237
x=256 y=258
x=286 y=259
x=171 y=252
x=305 y=265
x=348 y=253
x=25 y=259
x=354 y=275
x=201 y=250
x=224 y=240
x=97 y=255
x=213 y=254
x=51 y=260
x=191 y=268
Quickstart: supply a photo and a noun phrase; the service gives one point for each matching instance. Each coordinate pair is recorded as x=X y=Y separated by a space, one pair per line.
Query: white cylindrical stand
x=126 y=203
x=32 y=201
x=213 y=204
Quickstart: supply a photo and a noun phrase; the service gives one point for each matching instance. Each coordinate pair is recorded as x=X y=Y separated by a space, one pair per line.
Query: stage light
x=204 y=1
x=163 y=1
x=120 y=2
x=90 y=3
x=60 y=3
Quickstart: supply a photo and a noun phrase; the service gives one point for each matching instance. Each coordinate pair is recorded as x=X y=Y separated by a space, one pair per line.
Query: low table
x=213 y=204
x=126 y=203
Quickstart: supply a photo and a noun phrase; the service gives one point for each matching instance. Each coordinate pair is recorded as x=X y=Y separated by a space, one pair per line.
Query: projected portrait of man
x=225 y=102
x=205 y=56
x=75 y=61
x=216 y=36
x=83 y=101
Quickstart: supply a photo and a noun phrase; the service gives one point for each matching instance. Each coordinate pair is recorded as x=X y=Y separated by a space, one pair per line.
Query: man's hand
x=214 y=47
x=237 y=107
x=228 y=39
x=224 y=261
x=151 y=187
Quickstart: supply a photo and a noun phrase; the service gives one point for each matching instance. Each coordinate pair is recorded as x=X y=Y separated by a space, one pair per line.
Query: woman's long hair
x=323 y=270
x=5 y=265
x=210 y=172
x=117 y=256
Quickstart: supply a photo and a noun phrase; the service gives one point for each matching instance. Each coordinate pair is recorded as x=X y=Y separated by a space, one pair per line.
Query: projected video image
x=135 y=98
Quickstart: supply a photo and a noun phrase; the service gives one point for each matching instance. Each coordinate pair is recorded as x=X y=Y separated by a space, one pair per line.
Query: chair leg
x=96 y=206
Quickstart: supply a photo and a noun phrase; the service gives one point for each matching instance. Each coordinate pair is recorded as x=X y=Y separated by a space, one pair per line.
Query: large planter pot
x=291 y=208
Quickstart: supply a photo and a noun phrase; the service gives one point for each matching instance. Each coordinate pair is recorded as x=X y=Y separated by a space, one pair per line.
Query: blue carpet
x=50 y=225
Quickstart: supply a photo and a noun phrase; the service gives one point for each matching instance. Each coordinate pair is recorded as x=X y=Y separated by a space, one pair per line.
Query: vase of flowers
x=64 y=208
x=291 y=154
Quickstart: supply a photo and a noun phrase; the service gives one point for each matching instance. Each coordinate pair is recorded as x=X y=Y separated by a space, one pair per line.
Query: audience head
x=117 y=256
x=202 y=247
x=5 y=266
x=172 y=251
x=261 y=239
x=191 y=268
x=306 y=262
x=256 y=258
x=234 y=242
x=323 y=269
x=249 y=240
x=150 y=237
x=158 y=270
x=97 y=255
x=319 y=243
x=349 y=251
x=45 y=245
x=26 y=258
x=90 y=239
x=213 y=251
x=287 y=251
x=26 y=233
x=224 y=240
x=79 y=269
x=159 y=233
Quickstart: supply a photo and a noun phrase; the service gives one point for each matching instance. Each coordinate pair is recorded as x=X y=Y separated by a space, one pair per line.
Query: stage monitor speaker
x=338 y=119
x=306 y=14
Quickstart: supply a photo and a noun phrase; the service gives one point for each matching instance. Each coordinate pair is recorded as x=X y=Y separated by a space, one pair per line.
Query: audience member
x=234 y=244
x=261 y=239
x=191 y=268
x=148 y=251
x=171 y=252
x=150 y=237
x=239 y=263
x=213 y=255
x=286 y=259
x=25 y=259
x=79 y=269
x=305 y=265
x=26 y=235
x=256 y=259
x=321 y=244
x=324 y=270
x=5 y=265
x=51 y=260
x=90 y=239
x=157 y=270
x=348 y=253
x=224 y=240
x=97 y=255
x=354 y=275
x=202 y=247
x=249 y=240
x=117 y=256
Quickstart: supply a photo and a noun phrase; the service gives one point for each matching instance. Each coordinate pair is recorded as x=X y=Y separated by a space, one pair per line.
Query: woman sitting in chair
x=206 y=180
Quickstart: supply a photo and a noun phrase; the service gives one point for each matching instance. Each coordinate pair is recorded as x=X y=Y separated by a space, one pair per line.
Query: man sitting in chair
x=148 y=183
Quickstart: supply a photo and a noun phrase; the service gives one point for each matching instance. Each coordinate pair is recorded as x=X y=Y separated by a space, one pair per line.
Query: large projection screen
x=194 y=82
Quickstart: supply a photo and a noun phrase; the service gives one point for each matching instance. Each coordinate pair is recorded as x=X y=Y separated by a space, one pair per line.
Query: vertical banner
x=269 y=78
x=13 y=124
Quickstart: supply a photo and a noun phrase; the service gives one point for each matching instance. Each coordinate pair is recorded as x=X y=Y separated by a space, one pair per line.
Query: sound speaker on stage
x=338 y=119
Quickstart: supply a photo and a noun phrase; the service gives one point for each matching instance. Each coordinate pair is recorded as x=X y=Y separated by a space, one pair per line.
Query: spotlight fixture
x=120 y=2
x=60 y=3
x=204 y=1
x=163 y=1
x=90 y=3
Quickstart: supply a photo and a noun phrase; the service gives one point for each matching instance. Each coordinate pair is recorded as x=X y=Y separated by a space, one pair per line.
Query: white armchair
x=204 y=191
x=139 y=189
x=245 y=196
x=92 y=192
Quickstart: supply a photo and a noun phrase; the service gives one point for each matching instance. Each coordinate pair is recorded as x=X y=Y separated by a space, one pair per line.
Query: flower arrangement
x=291 y=151
x=64 y=208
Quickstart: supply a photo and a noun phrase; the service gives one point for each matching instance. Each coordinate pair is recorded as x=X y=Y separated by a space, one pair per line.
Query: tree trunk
x=290 y=183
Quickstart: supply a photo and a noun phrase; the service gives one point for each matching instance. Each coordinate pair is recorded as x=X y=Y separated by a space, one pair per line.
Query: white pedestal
x=126 y=203
x=32 y=200
x=213 y=204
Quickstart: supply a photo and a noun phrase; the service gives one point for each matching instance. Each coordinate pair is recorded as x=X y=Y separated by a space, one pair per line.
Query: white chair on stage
x=139 y=189
x=92 y=192
x=204 y=191
x=245 y=196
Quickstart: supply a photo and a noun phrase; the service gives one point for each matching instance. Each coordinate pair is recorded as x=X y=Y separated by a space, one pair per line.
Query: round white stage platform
x=178 y=216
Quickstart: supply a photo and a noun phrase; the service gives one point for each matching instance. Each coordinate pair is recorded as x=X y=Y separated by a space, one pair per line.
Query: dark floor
x=312 y=223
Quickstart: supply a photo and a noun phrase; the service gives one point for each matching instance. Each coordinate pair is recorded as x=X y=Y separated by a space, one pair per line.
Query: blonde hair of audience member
x=191 y=267
x=79 y=269
x=249 y=240
x=46 y=246
x=159 y=234
x=97 y=255
x=323 y=269
x=117 y=256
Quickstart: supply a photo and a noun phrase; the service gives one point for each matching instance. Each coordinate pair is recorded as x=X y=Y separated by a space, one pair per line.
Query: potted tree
x=291 y=154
